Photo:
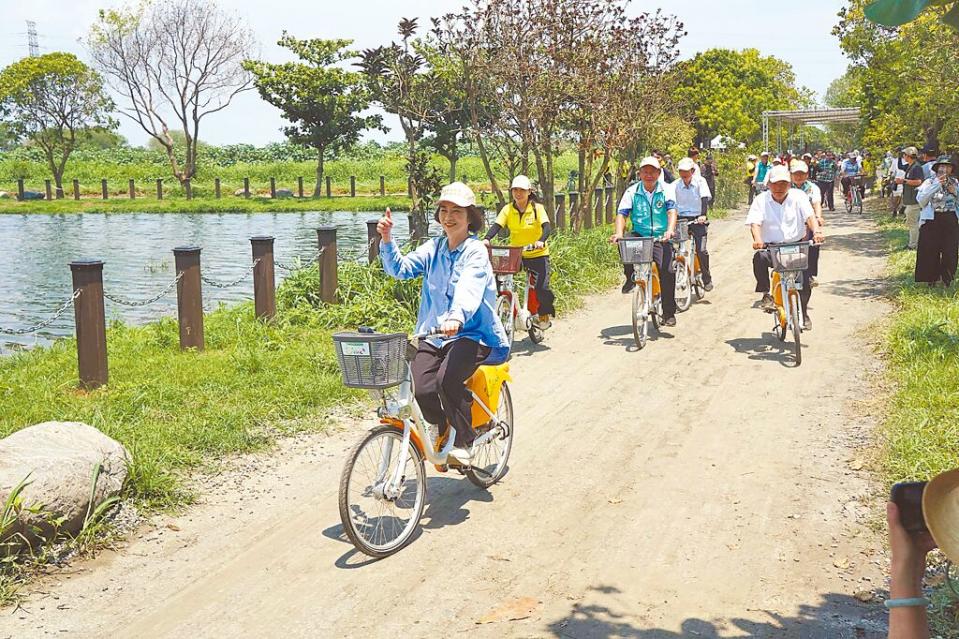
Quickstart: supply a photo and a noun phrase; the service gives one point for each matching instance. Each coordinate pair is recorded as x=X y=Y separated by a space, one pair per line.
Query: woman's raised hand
x=385 y=226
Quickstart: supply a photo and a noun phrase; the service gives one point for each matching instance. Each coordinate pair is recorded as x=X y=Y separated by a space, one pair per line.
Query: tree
x=726 y=91
x=401 y=80
x=907 y=77
x=53 y=100
x=452 y=118
x=321 y=100
x=895 y=13
x=173 y=63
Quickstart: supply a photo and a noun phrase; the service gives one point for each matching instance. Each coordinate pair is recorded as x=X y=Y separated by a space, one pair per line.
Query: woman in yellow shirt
x=528 y=225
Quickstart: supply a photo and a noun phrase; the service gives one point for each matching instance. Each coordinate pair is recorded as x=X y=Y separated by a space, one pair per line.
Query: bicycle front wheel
x=378 y=516
x=490 y=460
x=684 y=287
x=797 y=326
x=639 y=315
x=849 y=204
x=504 y=311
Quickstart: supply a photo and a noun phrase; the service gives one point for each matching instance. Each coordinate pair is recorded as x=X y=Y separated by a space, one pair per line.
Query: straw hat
x=940 y=508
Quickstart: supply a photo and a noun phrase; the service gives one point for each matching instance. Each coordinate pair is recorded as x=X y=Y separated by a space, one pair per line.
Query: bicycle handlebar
x=769 y=245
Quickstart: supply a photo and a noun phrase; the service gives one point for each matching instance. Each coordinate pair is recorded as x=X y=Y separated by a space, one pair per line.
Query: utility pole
x=33 y=42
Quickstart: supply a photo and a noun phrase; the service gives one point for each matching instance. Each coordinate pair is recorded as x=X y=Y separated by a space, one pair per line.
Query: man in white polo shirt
x=781 y=214
x=692 y=201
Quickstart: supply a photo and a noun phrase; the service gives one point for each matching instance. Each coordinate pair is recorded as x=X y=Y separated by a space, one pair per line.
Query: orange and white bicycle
x=689 y=274
x=789 y=261
x=383 y=485
x=515 y=310
x=647 y=294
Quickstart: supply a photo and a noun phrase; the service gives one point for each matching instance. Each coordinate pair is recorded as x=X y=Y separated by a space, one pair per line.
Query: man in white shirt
x=781 y=214
x=692 y=197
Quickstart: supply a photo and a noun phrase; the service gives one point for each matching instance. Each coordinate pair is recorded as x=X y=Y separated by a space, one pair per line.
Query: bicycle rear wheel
x=377 y=520
x=640 y=326
x=797 y=325
x=490 y=460
x=504 y=311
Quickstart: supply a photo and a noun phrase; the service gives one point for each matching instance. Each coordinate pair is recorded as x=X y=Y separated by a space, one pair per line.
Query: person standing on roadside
x=938 y=248
x=710 y=173
x=929 y=157
x=910 y=188
x=750 y=174
x=826 y=179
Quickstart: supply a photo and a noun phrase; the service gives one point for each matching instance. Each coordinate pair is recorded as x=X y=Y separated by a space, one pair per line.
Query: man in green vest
x=650 y=207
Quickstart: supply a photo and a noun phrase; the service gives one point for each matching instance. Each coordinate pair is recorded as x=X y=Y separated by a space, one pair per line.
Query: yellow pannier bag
x=486 y=383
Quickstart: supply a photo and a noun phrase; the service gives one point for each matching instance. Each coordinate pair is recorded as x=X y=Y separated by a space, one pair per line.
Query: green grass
x=920 y=433
x=227 y=204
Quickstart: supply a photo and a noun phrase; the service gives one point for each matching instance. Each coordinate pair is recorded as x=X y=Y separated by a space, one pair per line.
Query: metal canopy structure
x=799 y=117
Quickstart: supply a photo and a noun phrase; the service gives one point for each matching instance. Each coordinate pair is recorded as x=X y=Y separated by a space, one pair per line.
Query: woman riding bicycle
x=458 y=298
x=526 y=220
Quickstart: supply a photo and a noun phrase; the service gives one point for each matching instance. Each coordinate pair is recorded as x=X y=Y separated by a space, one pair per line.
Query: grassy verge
x=228 y=204
x=254 y=382
x=920 y=434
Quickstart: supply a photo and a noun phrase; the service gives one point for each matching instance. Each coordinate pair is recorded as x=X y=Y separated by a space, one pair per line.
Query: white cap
x=521 y=182
x=751 y=157
x=650 y=161
x=764 y=153
x=459 y=194
x=798 y=166
x=777 y=161
x=686 y=164
x=779 y=174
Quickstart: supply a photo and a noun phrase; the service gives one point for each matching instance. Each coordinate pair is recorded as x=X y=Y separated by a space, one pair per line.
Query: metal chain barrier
x=216 y=284
x=116 y=299
x=313 y=260
x=42 y=325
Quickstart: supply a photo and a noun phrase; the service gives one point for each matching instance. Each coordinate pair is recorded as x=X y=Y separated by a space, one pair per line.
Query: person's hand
x=615 y=238
x=668 y=235
x=487 y=243
x=908 y=556
x=821 y=220
x=757 y=245
x=701 y=219
x=385 y=226
x=538 y=245
x=818 y=237
x=900 y=180
x=450 y=328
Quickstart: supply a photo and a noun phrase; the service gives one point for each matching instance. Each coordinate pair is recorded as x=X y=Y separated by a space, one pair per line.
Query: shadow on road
x=526 y=347
x=766 y=348
x=836 y=616
x=622 y=336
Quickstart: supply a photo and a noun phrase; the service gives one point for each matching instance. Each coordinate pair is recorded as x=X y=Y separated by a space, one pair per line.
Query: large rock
x=58 y=460
x=281 y=193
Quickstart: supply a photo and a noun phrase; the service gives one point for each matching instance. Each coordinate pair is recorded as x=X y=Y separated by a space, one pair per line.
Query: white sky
x=799 y=33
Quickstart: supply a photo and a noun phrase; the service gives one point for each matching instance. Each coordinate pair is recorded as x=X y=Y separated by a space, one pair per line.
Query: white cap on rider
x=798 y=166
x=686 y=164
x=521 y=182
x=764 y=153
x=457 y=193
x=650 y=161
x=779 y=173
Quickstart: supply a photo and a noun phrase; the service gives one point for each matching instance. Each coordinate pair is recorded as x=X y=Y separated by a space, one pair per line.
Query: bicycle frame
x=400 y=410
x=506 y=284
x=786 y=286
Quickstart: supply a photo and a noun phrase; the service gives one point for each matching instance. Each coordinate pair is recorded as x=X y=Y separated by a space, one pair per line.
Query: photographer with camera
x=921 y=517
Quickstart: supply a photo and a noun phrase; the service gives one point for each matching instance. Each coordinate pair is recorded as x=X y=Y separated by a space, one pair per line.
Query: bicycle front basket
x=371 y=360
x=506 y=260
x=636 y=250
x=792 y=257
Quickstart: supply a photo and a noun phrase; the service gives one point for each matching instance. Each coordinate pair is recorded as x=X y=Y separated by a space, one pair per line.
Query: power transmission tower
x=32 y=41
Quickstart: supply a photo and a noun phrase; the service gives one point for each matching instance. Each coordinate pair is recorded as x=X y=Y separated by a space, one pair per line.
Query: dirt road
x=699 y=488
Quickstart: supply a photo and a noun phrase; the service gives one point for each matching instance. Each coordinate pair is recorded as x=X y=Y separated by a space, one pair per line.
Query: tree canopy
x=53 y=100
x=725 y=92
x=321 y=100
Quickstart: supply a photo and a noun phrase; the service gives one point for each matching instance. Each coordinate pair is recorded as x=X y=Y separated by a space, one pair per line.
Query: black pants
x=711 y=183
x=698 y=231
x=762 y=262
x=438 y=378
x=814 y=250
x=938 y=250
x=539 y=268
x=663 y=257
x=828 y=192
